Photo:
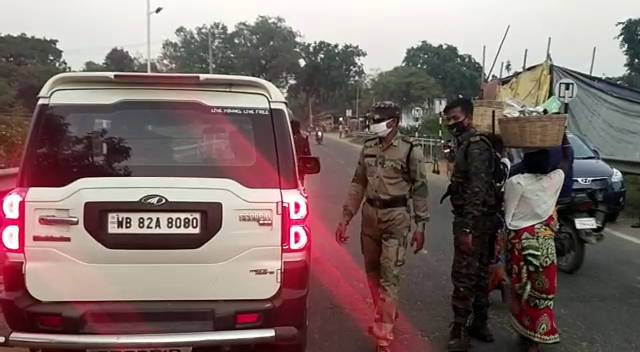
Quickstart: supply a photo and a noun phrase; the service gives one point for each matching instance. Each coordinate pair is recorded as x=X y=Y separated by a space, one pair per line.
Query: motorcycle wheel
x=574 y=250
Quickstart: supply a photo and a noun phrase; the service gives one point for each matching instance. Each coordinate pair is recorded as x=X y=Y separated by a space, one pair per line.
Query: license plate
x=586 y=224
x=154 y=349
x=154 y=223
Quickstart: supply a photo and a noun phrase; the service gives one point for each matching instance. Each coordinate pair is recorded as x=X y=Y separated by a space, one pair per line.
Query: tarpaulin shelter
x=605 y=113
x=531 y=87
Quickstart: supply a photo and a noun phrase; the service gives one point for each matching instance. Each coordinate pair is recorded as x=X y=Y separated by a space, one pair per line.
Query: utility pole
x=593 y=60
x=484 y=57
x=210 y=52
x=358 y=100
x=549 y=49
x=310 y=107
x=524 y=62
x=501 y=68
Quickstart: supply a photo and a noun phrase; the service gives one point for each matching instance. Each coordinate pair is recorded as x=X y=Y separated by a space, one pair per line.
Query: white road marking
x=623 y=236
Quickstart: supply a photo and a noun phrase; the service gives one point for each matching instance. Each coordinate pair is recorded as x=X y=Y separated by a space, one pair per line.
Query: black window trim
x=290 y=182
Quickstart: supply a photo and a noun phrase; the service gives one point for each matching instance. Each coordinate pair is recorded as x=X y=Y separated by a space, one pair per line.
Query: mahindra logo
x=154 y=200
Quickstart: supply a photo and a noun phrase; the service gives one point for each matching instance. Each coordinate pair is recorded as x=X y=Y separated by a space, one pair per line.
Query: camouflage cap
x=384 y=110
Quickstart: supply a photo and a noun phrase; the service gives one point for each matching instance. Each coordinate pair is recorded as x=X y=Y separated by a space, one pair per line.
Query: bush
x=13 y=131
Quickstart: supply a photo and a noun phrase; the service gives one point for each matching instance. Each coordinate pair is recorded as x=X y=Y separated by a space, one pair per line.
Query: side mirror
x=597 y=153
x=308 y=165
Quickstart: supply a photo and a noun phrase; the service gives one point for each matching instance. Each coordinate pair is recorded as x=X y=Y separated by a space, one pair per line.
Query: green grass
x=632 y=182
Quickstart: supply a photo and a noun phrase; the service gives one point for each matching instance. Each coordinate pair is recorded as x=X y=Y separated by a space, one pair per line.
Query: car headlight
x=617 y=176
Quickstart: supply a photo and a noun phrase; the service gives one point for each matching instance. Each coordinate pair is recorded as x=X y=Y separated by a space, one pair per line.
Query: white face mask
x=380 y=129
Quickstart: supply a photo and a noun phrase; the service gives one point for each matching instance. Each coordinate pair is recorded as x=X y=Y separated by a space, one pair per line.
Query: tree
x=406 y=86
x=92 y=66
x=26 y=63
x=267 y=48
x=508 y=67
x=630 y=44
x=189 y=53
x=458 y=74
x=119 y=60
x=330 y=76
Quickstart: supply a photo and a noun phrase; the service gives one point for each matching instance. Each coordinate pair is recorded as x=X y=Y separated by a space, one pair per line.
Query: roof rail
x=161 y=78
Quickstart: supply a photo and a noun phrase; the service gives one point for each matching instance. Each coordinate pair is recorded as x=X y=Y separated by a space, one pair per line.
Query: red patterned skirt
x=534 y=280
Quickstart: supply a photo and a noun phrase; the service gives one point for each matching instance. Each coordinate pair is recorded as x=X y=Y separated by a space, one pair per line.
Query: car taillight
x=247 y=319
x=295 y=227
x=12 y=221
x=50 y=322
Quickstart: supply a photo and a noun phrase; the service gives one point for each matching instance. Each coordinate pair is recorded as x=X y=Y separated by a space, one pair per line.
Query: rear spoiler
x=227 y=81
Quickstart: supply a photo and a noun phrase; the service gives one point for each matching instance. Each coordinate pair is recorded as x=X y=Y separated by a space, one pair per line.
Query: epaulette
x=408 y=139
x=372 y=139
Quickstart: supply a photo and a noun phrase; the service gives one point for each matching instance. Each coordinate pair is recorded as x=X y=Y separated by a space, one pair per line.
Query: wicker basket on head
x=483 y=112
x=533 y=131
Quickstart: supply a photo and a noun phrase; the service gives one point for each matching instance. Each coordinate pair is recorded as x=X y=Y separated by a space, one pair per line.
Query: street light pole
x=149 y=13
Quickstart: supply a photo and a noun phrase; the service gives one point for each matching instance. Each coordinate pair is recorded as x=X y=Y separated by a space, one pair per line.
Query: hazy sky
x=87 y=29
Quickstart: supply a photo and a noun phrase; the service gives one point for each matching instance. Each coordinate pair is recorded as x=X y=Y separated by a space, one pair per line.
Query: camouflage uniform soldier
x=390 y=172
x=474 y=203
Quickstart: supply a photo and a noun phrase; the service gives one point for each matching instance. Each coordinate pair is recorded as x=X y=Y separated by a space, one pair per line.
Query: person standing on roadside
x=530 y=202
x=475 y=208
x=390 y=171
x=301 y=142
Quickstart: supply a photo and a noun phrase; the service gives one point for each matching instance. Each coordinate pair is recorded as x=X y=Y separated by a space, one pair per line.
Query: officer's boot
x=480 y=331
x=458 y=338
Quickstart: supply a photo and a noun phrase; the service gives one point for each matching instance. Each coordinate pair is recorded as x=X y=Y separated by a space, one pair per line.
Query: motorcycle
x=581 y=221
x=319 y=136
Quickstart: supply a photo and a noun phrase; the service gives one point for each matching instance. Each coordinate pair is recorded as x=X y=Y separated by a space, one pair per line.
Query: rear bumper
x=171 y=324
x=197 y=339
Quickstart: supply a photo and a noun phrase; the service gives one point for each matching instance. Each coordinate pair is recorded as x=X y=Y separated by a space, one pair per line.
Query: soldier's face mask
x=457 y=123
x=457 y=129
x=382 y=129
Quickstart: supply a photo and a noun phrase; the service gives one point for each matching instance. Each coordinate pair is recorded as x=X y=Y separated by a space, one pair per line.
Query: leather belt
x=394 y=202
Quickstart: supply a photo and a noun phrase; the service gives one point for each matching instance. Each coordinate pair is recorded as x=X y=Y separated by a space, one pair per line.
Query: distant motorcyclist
x=319 y=135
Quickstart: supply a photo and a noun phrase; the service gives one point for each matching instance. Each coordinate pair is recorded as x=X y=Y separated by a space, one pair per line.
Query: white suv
x=157 y=213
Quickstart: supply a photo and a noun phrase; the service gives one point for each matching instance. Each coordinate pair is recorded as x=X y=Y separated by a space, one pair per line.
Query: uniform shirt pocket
x=394 y=169
x=370 y=165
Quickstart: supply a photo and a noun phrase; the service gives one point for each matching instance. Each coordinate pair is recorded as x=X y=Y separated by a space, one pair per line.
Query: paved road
x=598 y=308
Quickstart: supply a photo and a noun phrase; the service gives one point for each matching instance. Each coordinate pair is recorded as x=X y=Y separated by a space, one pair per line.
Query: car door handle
x=58 y=220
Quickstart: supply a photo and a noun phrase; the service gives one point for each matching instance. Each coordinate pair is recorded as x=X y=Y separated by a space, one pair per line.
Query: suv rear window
x=152 y=139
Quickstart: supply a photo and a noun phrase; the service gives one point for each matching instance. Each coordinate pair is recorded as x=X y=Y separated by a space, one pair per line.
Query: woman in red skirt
x=530 y=200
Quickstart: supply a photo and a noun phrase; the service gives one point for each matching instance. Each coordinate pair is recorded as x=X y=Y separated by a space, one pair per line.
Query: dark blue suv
x=592 y=173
